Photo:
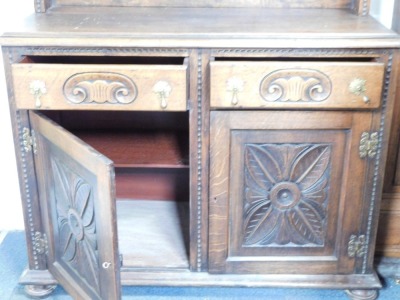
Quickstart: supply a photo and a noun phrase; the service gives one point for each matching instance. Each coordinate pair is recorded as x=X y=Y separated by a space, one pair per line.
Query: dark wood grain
x=152 y=149
x=231 y=173
x=78 y=212
x=201 y=27
x=268 y=194
x=171 y=184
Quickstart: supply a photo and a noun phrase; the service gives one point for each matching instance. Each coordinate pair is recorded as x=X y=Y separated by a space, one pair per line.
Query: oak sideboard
x=201 y=143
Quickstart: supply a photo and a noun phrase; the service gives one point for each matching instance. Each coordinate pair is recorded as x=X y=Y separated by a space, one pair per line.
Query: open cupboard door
x=77 y=198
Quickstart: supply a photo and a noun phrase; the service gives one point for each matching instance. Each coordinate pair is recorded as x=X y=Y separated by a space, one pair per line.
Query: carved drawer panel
x=100 y=86
x=249 y=84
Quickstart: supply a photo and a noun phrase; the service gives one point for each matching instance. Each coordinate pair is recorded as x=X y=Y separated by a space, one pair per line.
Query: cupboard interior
x=150 y=151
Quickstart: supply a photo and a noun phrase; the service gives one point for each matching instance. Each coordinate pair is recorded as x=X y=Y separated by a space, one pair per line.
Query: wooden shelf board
x=200 y=27
x=142 y=149
x=153 y=234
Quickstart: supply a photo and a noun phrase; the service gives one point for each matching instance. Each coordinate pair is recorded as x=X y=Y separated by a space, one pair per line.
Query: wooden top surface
x=200 y=27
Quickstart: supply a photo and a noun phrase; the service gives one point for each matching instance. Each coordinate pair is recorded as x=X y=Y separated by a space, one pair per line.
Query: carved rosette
x=100 y=87
x=285 y=194
x=77 y=245
x=295 y=85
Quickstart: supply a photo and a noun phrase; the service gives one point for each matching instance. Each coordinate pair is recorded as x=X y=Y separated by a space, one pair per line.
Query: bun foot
x=362 y=294
x=39 y=290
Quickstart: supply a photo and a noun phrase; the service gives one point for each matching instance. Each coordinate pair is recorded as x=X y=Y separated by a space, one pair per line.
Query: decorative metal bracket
x=356 y=246
x=40 y=243
x=29 y=140
x=368 y=144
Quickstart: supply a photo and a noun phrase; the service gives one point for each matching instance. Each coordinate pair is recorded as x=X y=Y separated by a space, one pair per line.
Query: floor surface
x=13 y=260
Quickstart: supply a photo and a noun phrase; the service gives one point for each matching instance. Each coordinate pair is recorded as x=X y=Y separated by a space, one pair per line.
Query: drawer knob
x=358 y=88
x=163 y=90
x=235 y=86
x=37 y=88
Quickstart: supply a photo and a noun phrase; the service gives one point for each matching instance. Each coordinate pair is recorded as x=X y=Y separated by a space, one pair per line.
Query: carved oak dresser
x=201 y=143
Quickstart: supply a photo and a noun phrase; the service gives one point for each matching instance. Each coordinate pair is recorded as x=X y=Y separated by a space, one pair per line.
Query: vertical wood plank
x=199 y=156
x=381 y=123
x=219 y=186
x=26 y=170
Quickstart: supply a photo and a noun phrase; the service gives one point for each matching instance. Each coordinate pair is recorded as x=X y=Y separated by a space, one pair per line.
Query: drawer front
x=342 y=85
x=100 y=87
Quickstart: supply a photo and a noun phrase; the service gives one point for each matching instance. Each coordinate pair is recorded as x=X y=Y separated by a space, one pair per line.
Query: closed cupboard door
x=286 y=191
x=76 y=187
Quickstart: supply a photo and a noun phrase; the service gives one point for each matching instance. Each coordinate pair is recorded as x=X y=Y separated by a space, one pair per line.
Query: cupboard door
x=283 y=198
x=76 y=187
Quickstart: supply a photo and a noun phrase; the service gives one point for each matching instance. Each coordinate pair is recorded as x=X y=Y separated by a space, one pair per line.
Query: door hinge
x=357 y=246
x=40 y=243
x=368 y=144
x=29 y=140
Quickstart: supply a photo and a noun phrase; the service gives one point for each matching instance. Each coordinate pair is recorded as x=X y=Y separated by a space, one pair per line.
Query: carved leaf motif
x=308 y=223
x=310 y=165
x=260 y=223
x=76 y=224
x=286 y=190
x=262 y=166
x=317 y=192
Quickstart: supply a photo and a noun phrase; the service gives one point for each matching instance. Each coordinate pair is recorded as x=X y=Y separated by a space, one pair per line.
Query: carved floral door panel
x=281 y=195
x=76 y=186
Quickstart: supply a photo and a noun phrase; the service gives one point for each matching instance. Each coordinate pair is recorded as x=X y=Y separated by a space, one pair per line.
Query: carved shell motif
x=295 y=85
x=100 y=87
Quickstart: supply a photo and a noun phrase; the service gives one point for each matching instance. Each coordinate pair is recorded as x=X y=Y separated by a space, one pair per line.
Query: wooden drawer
x=100 y=86
x=291 y=84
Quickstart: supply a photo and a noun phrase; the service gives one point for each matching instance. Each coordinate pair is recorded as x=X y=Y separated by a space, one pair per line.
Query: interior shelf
x=153 y=234
x=141 y=149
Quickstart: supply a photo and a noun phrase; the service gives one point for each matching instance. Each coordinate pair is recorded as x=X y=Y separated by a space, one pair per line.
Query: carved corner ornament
x=100 y=87
x=295 y=85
